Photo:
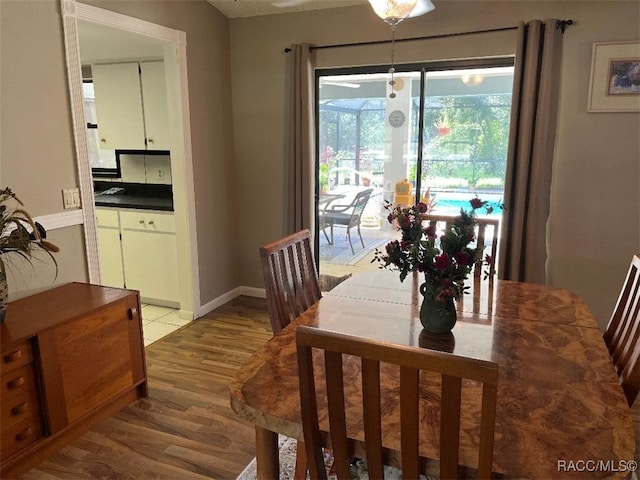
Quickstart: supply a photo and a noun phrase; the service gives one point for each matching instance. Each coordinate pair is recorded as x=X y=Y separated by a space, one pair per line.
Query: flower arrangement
x=19 y=233
x=447 y=263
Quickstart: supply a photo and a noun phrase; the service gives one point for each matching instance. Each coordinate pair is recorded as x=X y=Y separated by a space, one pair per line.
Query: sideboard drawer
x=21 y=434
x=16 y=356
x=17 y=382
x=20 y=403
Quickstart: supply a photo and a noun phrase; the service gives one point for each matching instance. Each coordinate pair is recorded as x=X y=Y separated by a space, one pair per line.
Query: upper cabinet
x=131 y=106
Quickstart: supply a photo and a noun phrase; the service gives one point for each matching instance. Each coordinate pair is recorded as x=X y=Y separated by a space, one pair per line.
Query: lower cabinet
x=70 y=357
x=150 y=255
x=138 y=250
x=109 y=247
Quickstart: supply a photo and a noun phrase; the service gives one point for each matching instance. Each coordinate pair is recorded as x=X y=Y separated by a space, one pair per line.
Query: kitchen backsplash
x=142 y=168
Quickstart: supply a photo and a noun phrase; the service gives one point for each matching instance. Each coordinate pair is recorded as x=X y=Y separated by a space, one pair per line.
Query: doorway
x=172 y=44
x=439 y=134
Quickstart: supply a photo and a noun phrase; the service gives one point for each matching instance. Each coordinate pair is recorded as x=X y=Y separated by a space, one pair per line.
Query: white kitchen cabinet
x=154 y=95
x=109 y=247
x=131 y=105
x=150 y=256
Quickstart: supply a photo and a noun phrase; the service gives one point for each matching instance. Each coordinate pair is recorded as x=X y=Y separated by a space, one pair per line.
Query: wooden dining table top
x=560 y=406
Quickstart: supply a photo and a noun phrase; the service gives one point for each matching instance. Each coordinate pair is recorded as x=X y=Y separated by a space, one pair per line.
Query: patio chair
x=348 y=216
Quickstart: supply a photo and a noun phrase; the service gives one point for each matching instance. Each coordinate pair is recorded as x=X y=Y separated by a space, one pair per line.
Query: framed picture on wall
x=615 y=77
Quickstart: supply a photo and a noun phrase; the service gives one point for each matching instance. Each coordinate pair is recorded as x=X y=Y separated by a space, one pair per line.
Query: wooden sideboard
x=71 y=356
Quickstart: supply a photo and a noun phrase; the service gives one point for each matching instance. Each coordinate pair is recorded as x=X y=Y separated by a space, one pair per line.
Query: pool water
x=453 y=206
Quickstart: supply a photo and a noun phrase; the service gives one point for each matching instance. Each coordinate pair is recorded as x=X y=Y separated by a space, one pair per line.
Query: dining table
x=561 y=412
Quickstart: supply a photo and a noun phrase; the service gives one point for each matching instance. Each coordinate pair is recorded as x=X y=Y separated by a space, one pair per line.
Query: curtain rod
x=560 y=24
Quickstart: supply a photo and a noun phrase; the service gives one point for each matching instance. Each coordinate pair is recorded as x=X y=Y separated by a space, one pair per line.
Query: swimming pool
x=448 y=205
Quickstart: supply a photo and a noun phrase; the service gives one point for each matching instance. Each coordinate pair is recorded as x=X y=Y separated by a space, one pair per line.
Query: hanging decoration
x=393 y=12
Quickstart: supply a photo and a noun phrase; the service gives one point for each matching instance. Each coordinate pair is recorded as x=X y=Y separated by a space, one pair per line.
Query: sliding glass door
x=436 y=134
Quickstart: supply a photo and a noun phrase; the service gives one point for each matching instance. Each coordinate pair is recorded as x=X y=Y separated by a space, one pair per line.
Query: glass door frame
x=423 y=68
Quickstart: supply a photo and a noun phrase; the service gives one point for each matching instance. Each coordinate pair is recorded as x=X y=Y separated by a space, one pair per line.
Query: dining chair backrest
x=411 y=361
x=290 y=278
x=622 y=335
x=487 y=236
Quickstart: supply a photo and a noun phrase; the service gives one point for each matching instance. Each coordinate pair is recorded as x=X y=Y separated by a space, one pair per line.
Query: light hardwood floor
x=185 y=429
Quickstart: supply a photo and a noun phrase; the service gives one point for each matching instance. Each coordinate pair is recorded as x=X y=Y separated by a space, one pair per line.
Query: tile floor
x=158 y=322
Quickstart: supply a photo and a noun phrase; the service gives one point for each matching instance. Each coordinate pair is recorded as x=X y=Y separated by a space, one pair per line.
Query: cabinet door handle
x=132 y=313
x=24 y=434
x=15 y=383
x=103 y=140
x=13 y=356
x=150 y=140
x=18 y=409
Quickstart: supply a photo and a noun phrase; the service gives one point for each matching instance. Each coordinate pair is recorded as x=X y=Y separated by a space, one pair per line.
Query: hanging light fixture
x=393 y=12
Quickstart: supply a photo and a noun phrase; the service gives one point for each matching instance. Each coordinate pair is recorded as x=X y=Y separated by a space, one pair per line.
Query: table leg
x=267 y=459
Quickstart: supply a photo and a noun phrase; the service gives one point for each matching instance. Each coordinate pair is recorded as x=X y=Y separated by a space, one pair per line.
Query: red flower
x=488 y=259
x=430 y=231
x=390 y=218
x=422 y=207
x=476 y=203
x=441 y=262
x=463 y=258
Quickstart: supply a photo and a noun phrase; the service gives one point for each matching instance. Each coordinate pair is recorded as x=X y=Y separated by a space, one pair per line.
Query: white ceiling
x=254 y=8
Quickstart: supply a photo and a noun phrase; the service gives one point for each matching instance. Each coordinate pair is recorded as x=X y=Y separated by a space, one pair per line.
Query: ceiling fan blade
x=288 y=3
x=422 y=7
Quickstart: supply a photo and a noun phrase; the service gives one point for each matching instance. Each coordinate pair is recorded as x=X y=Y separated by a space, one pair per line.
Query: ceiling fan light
x=393 y=11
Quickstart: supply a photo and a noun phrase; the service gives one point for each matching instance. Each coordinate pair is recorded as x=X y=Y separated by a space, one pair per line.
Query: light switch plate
x=70 y=198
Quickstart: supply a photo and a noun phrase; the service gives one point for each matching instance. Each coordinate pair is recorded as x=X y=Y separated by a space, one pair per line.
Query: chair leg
x=353 y=252
x=300 y=472
x=324 y=230
x=331 y=229
x=360 y=234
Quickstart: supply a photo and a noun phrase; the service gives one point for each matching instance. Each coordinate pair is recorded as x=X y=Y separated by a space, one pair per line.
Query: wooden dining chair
x=487 y=236
x=290 y=278
x=412 y=361
x=622 y=335
x=291 y=284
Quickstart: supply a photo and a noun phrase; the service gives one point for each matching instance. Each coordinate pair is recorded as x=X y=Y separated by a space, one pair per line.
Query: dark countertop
x=133 y=195
x=135 y=201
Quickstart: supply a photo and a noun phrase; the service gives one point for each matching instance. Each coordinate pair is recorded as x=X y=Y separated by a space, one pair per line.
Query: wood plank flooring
x=185 y=429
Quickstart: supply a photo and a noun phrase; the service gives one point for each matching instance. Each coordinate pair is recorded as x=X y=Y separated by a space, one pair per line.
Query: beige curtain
x=301 y=203
x=523 y=250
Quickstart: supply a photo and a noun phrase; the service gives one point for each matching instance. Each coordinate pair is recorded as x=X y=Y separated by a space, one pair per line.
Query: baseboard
x=230 y=295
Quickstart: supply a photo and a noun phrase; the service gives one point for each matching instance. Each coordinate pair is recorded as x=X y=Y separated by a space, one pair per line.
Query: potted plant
x=445 y=261
x=21 y=237
x=443 y=125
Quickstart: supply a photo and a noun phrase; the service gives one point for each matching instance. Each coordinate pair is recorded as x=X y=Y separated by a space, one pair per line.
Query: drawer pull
x=13 y=356
x=132 y=313
x=150 y=222
x=15 y=383
x=24 y=434
x=141 y=222
x=18 y=409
